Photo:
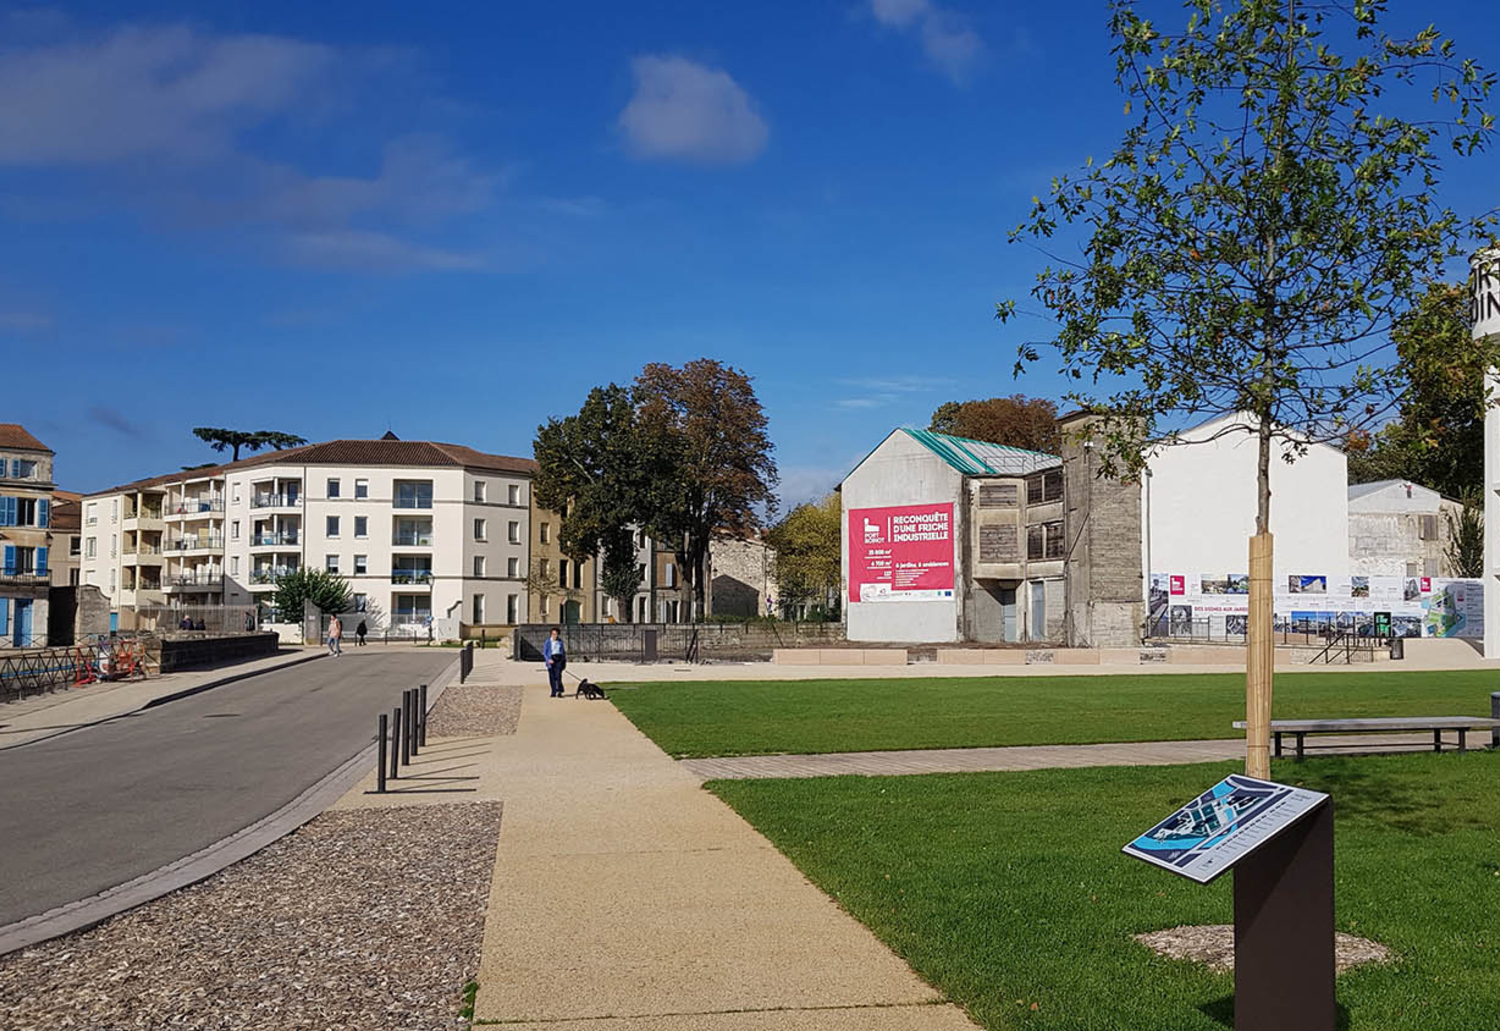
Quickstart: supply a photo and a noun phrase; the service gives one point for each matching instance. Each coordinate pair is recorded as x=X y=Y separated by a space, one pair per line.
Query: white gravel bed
x=475 y=710
x=370 y=919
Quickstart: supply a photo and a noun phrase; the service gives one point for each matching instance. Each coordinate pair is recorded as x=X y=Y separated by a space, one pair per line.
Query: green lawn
x=1008 y=890
x=766 y=717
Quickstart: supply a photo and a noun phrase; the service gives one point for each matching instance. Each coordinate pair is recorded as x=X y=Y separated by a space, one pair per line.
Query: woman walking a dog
x=557 y=661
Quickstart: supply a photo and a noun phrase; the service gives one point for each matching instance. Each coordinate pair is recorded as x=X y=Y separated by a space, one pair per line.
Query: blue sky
x=453 y=219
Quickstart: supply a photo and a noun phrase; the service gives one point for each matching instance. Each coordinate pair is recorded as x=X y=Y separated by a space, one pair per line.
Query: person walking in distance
x=335 y=636
x=359 y=634
x=557 y=661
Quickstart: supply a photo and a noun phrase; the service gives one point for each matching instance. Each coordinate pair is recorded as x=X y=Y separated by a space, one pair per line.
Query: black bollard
x=395 y=748
x=1495 y=714
x=380 y=732
x=406 y=727
x=422 y=715
x=416 y=723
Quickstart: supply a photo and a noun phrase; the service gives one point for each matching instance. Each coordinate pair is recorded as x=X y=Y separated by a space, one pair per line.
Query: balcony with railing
x=204 y=542
x=192 y=508
x=412 y=577
x=144 y=552
x=202 y=581
x=283 y=539
x=412 y=538
x=276 y=500
x=11 y=576
x=266 y=576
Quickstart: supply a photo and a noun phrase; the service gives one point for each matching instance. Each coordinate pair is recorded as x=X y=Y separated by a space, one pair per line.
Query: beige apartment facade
x=430 y=536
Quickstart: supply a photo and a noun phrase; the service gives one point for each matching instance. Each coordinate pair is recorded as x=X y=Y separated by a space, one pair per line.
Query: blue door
x=22 y=623
x=114 y=622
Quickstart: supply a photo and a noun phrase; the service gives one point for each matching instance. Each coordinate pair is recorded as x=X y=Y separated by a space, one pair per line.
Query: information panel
x=904 y=553
x=1229 y=820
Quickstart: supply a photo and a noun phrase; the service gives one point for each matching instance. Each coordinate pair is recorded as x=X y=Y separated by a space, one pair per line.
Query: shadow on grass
x=1381 y=795
x=1221 y=1011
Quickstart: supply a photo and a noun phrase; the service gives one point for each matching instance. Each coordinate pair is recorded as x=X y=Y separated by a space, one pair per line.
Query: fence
x=40 y=670
x=213 y=619
x=679 y=642
x=1299 y=633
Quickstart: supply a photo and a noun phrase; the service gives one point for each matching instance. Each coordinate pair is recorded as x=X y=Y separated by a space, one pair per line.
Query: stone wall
x=625 y=642
x=741 y=577
x=1105 y=586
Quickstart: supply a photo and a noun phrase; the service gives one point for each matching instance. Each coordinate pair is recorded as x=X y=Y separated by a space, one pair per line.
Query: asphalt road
x=103 y=805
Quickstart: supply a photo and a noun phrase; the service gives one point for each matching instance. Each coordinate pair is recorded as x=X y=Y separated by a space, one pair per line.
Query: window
x=332 y=528
x=640 y=538
x=73 y=546
x=478 y=565
x=361 y=565
x=18 y=512
x=1044 y=540
x=562 y=572
x=544 y=606
x=114 y=510
x=514 y=494
x=513 y=532
x=91 y=514
x=640 y=610
x=91 y=548
x=413 y=494
x=361 y=603
x=1427 y=528
x=361 y=527
x=331 y=563
x=333 y=488
x=361 y=488
x=111 y=581
x=234 y=565
x=234 y=529
x=546 y=566
x=479 y=493
x=1044 y=486
x=72 y=578
x=20 y=468
x=236 y=493
x=576 y=569
x=545 y=531
x=512 y=567
x=512 y=605
x=114 y=545
x=479 y=529
x=478 y=608
x=669 y=575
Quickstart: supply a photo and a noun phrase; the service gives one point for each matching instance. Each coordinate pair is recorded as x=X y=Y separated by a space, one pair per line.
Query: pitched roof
x=67 y=513
x=980 y=457
x=13 y=434
x=416 y=453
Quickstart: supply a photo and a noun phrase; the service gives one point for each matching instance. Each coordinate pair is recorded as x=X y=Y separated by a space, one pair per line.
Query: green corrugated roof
x=980 y=457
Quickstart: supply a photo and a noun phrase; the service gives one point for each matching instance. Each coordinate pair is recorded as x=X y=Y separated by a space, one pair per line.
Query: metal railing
x=399 y=502
x=196 y=507
x=411 y=576
x=149 y=513
x=1299 y=633
x=275 y=500
x=144 y=549
x=192 y=581
x=268 y=540
x=194 y=544
x=270 y=576
x=414 y=539
x=29 y=578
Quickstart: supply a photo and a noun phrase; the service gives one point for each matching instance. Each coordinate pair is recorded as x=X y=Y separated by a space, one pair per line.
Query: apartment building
x=423 y=531
x=563 y=590
x=25 y=531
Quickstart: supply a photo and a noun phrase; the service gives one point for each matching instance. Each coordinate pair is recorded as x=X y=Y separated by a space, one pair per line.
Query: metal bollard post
x=406 y=727
x=395 y=749
x=1495 y=714
x=416 y=724
x=422 y=715
x=380 y=732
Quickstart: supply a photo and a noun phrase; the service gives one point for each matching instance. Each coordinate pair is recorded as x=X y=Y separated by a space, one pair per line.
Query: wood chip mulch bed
x=1213 y=945
x=475 y=710
x=370 y=919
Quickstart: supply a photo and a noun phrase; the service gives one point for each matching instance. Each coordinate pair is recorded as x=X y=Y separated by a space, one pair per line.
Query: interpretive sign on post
x=1212 y=832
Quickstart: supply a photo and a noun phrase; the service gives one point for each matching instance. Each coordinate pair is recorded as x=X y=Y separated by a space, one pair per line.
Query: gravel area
x=1213 y=944
x=370 y=919
x=475 y=710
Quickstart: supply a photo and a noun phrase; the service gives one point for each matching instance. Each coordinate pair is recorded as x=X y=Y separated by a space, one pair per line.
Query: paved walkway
x=626 y=898
x=46 y=715
x=1033 y=757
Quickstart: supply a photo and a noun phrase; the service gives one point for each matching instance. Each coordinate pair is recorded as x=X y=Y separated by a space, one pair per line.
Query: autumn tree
x=714 y=470
x=808 y=553
x=1437 y=439
x=250 y=440
x=1019 y=421
x=1269 y=216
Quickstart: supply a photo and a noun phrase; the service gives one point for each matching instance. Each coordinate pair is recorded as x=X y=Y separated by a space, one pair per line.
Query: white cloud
x=800 y=484
x=947 y=39
x=686 y=111
x=358 y=250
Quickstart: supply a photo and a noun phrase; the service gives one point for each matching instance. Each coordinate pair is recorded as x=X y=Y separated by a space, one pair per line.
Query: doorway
x=1038 y=612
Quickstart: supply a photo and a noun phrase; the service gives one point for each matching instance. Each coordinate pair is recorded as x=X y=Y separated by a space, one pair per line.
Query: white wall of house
x=902 y=472
x=1198 y=506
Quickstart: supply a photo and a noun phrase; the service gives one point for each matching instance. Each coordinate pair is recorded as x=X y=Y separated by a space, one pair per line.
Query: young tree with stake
x=1270 y=215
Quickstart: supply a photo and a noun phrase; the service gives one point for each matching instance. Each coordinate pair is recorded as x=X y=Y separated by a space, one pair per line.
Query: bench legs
x=1437 y=740
x=1463 y=732
x=1278 y=744
x=1301 y=738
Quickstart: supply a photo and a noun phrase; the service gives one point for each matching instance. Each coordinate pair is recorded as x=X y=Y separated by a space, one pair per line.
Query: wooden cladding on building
x=999 y=543
x=999 y=495
x=1044 y=486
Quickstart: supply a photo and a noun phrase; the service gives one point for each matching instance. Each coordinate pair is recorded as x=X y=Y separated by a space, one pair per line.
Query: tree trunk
x=1260 y=654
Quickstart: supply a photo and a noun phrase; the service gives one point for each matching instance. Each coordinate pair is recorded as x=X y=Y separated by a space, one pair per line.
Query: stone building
x=741 y=576
x=1399 y=528
x=26 y=488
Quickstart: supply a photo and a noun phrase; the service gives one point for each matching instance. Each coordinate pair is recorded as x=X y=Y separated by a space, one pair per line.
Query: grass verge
x=802 y=716
x=1007 y=891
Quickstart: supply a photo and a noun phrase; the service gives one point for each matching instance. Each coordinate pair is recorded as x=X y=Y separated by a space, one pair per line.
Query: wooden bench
x=1381 y=725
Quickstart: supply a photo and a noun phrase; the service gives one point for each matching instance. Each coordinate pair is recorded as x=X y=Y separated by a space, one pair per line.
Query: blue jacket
x=553 y=648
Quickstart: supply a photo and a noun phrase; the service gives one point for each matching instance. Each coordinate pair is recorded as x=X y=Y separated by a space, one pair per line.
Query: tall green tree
x=250 y=440
x=715 y=473
x=620 y=576
x=328 y=592
x=1015 y=421
x=1267 y=218
x=1438 y=437
x=808 y=562
x=1464 y=549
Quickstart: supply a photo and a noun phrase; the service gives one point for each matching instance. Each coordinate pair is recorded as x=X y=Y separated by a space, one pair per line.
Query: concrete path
x=626 y=898
x=46 y=715
x=1035 y=757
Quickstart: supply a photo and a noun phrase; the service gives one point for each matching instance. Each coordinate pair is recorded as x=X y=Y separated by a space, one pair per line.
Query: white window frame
x=477 y=609
x=481 y=492
x=361 y=489
x=479 y=566
x=514 y=494
x=481 y=529
x=357 y=521
x=331 y=563
x=513 y=532
x=334 y=488
x=361 y=565
x=331 y=527
x=234 y=529
x=513 y=567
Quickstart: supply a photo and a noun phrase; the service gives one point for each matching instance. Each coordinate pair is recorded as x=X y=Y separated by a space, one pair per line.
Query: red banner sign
x=903 y=553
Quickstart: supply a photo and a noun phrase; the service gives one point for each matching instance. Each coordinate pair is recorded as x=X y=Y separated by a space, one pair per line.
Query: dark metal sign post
x=1278 y=840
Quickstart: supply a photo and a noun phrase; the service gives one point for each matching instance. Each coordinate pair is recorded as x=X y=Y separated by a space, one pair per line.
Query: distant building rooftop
x=14 y=435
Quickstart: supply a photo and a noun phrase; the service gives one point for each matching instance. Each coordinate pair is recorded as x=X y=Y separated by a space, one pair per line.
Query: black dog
x=588 y=690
